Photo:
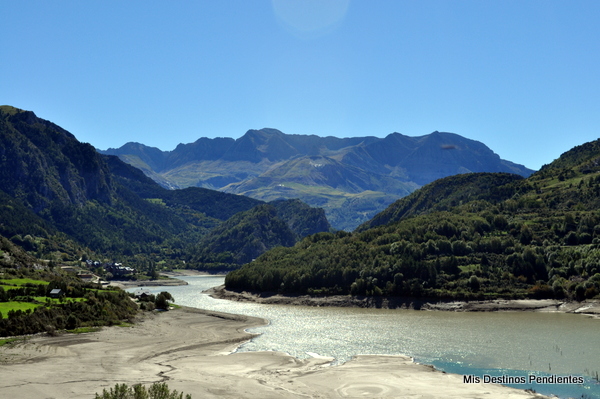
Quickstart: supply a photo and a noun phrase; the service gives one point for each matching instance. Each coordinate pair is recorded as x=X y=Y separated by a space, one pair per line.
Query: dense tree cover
x=443 y=255
x=445 y=194
x=42 y=163
x=81 y=305
x=99 y=309
x=583 y=158
x=537 y=237
x=302 y=219
x=244 y=237
x=52 y=183
x=248 y=234
x=162 y=300
x=158 y=390
x=213 y=204
x=61 y=201
x=17 y=218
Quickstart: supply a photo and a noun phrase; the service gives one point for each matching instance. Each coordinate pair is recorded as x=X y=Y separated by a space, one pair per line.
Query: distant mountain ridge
x=351 y=178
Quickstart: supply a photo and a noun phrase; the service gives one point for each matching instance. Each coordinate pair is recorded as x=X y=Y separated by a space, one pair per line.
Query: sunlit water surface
x=495 y=343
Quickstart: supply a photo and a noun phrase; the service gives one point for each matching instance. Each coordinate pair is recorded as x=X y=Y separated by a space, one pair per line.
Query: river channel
x=515 y=344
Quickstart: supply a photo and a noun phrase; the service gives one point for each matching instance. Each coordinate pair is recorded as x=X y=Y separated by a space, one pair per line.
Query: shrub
x=558 y=289
x=580 y=292
x=148 y=306
x=158 y=390
x=543 y=291
x=590 y=292
x=474 y=283
x=162 y=300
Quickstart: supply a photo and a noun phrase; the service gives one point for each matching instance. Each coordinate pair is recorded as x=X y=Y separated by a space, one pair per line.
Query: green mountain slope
x=267 y=164
x=449 y=192
x=475 y=236
x=214 y=204
x=245 y=236
x=43 y=163
x=302 y=219
x=248 y=234
x=62 y=200
x=325 y=182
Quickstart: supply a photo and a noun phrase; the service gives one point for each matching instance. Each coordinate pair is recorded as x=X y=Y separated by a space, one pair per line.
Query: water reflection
x=466 y=343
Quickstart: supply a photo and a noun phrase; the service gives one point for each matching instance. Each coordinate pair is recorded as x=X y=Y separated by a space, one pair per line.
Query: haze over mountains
x=352 y=179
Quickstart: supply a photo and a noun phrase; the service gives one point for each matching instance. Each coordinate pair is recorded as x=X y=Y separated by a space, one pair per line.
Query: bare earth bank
x=189 y=349
x=171 y=281
x=588 y=307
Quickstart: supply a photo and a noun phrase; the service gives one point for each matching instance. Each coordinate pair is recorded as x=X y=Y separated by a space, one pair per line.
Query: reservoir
x=517 y=344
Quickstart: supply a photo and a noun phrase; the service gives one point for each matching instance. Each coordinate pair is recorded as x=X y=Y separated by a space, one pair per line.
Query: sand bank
x=189 y=349
x=171 y=281
x=588 y=307
x=124 y=284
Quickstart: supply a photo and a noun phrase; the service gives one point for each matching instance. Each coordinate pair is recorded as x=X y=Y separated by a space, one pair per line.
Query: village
x=110 y=271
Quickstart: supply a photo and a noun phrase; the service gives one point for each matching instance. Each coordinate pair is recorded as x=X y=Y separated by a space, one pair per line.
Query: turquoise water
x=498 y=344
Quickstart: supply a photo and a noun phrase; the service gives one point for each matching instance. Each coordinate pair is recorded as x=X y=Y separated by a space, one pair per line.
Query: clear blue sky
x=521 y=76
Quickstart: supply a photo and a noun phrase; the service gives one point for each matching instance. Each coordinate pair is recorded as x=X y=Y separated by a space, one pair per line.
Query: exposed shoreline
x=191 y=349
x=172 y=280
x=589 y=307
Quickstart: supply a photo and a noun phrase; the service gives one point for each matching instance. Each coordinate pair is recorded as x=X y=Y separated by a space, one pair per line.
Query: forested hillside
x=70 y=216
x=475 y=236
x=62 y=201
x=27 y=305
x=444 y=194
x=249 y=234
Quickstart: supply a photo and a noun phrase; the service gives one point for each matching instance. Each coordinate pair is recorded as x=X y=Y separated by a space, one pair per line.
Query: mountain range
x=470 y=236
x=467 y=236
x=352 y=179
x=476 y=236
x=62 y=200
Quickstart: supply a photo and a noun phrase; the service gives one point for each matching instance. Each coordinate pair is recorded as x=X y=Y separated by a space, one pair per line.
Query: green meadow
x=5 y=307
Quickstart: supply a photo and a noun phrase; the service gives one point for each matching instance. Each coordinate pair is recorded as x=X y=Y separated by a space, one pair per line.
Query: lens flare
x=310 y=18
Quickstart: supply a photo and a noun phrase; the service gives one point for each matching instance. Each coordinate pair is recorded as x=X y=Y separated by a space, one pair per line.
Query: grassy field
x=6 y=341
x=9 y=284
x=22 y=281
x=84 y=330
x=43 y=299
x=5 y=307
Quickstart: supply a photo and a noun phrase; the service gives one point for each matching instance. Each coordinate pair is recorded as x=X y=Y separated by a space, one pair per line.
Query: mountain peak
x=10 y=110
x=45 y=156
x=268 y=164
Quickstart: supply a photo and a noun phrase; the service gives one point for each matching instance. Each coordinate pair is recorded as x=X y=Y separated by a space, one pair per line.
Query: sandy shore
x=170 y=282
x=588 y=307
x=189 y=349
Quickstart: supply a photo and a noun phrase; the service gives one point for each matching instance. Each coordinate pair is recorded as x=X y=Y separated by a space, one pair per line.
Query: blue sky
x=521 y=76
